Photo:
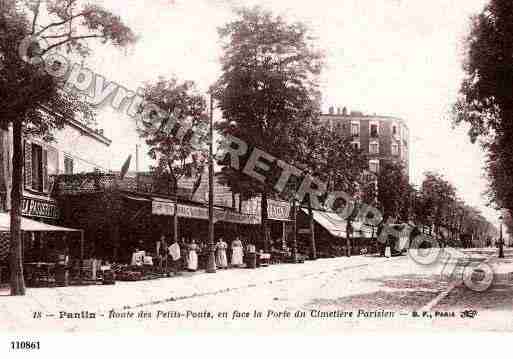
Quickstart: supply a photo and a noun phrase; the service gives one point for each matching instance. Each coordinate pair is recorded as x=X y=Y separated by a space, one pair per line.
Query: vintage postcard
x=173 y=166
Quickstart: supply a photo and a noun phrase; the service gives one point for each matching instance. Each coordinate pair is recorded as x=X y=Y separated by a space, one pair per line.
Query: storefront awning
x=332 y=222
x=136 y=198
x=29 y=225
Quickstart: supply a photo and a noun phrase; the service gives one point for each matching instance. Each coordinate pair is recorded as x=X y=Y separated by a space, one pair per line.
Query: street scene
x=351 y=294
x=185 y=166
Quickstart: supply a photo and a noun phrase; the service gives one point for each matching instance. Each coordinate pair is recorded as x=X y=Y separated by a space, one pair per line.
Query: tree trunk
x=313 y=249
x=16 y=245
x=175 y=214
x=348 y=238
x=264 y=215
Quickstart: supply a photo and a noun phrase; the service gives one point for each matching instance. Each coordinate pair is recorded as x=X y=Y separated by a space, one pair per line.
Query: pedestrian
x=221 y=260
x=162 y=250
x=388 y=251
x=237 y=253
x=192 y=257
x=174 y=253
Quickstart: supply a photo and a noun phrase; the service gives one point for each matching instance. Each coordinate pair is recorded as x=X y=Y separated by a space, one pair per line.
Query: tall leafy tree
x=486 y=100
x=393 y=189
x=28 y=93
x=268 y=90
x=332 y=159
x=175 y=155
x=439 y=194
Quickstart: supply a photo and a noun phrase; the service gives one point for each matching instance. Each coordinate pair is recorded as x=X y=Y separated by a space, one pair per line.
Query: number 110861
x=25 y=345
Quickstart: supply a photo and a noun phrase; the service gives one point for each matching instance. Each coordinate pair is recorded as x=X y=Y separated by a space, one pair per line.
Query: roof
x=335 y=116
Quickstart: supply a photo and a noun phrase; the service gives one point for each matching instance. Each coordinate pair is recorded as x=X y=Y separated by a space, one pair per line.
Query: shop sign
x=37 y=208
x=237 y=218
x=276 y=210
x=168 y=209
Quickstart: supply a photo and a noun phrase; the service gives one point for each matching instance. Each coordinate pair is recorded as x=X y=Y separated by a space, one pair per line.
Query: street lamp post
x=211 y=263
x=294 y=234
x=501 y=240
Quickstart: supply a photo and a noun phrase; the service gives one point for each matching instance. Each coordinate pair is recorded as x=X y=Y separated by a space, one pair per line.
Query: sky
x=390 y=57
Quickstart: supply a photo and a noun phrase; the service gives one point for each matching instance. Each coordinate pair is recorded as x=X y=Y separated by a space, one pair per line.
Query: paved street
x=381 y=294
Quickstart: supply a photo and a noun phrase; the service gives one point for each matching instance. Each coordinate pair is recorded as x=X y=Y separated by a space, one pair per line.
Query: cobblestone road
x=342 y=294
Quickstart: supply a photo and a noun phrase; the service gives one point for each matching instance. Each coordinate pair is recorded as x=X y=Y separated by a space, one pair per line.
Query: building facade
x=76 y=148
x=379 y=137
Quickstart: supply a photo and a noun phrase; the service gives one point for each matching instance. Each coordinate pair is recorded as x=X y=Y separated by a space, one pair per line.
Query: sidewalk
x=133 y=295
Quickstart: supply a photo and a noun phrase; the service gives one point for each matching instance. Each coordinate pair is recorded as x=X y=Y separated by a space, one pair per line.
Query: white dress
x=237 y=253
x=221 y=260
x=192 y=258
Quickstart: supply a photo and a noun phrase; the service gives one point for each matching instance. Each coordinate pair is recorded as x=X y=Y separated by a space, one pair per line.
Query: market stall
x=44 y=270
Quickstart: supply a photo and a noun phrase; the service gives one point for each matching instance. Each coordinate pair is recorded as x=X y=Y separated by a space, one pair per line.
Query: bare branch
x=56 y=36
x=36 y=14
x=63 y=22
x=69 y=39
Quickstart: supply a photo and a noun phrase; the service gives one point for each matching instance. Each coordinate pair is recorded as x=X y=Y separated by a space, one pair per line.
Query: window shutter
x=52 y=166
x=44 y=159
x=27 y=173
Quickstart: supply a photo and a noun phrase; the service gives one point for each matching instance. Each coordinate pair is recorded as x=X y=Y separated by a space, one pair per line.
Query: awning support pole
x=81 y=255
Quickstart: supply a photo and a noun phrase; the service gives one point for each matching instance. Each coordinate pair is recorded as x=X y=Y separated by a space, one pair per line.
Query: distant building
x=380 y=137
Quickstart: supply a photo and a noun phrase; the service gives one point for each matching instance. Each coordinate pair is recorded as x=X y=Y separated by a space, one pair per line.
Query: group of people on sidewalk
x=186 y=255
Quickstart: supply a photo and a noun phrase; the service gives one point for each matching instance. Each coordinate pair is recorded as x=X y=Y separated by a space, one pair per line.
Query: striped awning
x=331 y=221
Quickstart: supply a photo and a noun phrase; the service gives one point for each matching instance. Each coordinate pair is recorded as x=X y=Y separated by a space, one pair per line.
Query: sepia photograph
x=254 y=166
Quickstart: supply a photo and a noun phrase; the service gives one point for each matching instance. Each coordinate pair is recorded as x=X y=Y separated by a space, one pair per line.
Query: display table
x=39 y=273
x=264 y=259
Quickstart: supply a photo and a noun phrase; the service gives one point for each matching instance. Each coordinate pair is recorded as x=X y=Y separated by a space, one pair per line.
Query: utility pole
x=294 y=234
x=211 y=264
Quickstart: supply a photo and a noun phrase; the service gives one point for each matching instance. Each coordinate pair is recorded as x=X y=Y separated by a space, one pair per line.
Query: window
x=37 y=167
x=355 y=145
x=355 y=129
x=395 y=149
x=374 y=130
x=40 y=164
x=68 y=165
x=374 y=148
x=374 y=166
x=394 y=130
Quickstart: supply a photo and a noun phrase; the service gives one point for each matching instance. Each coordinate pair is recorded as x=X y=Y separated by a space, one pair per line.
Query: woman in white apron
x=388 y=250
x=192 y=257
x=237 y=253
x=221 y=260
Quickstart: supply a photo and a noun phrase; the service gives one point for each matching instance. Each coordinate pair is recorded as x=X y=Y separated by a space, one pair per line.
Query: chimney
x=344 y=111
x=331 y=110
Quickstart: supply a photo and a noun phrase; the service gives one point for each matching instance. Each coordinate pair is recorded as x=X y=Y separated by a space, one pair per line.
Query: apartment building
x=380 y=137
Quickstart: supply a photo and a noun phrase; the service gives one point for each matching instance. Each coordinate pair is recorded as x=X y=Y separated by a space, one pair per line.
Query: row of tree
x=485 y=104
x=434 y=207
